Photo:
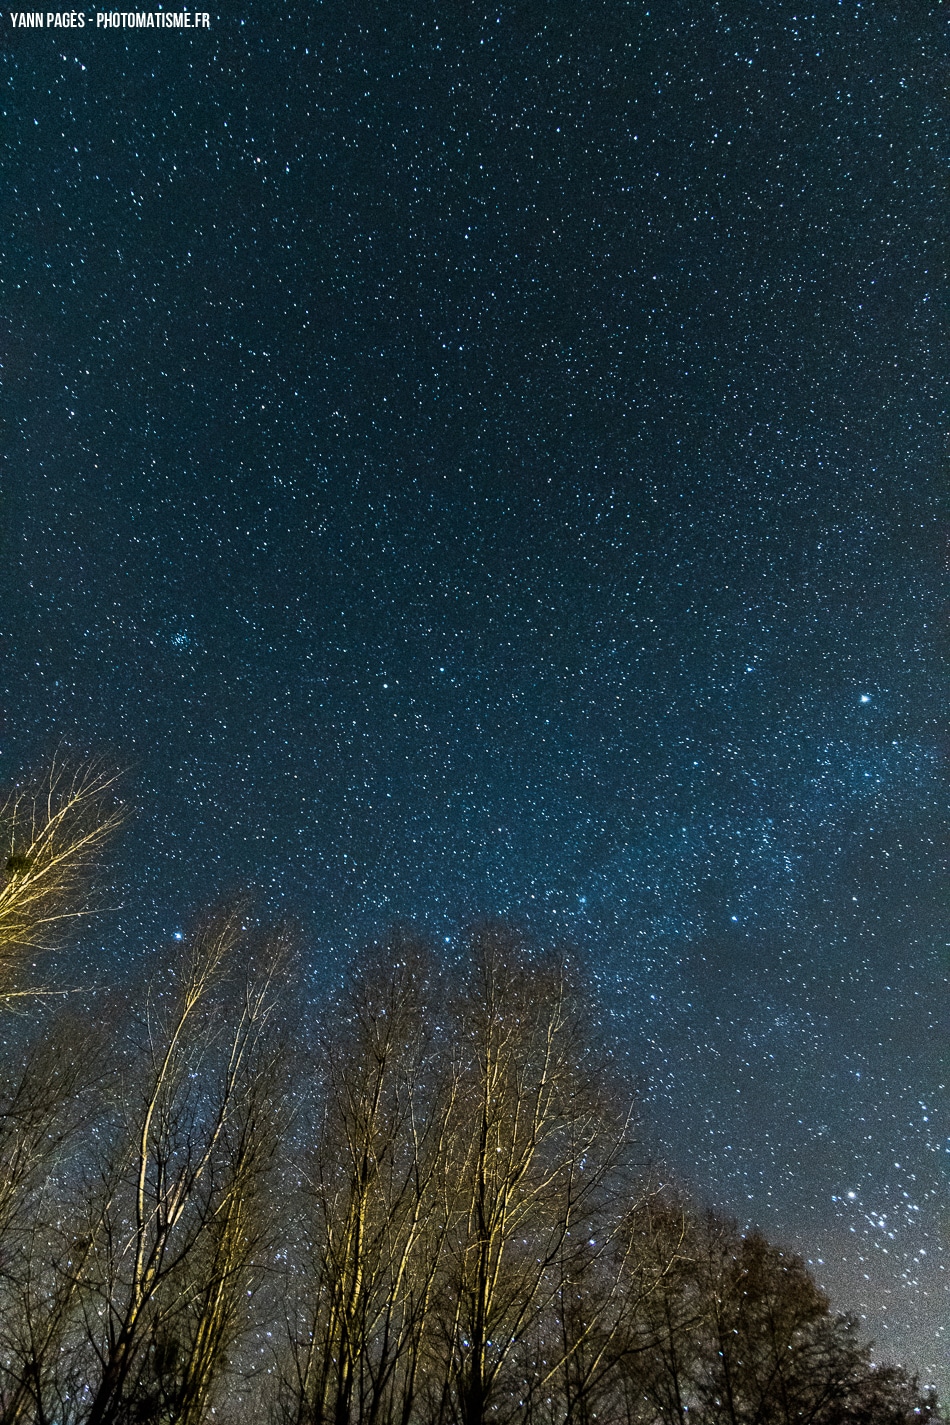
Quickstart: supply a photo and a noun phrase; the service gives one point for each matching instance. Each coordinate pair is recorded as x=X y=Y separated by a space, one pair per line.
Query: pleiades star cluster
x=473 y=459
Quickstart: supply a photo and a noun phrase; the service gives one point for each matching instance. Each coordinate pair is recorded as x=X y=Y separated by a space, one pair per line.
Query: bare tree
x=619 y=1279
x=50 y=1099
x=225 y=1270
x=53 y=835
x=656 y=1360
x=378 y=1228
x=41 y=1106
x=533 y=1150
x=42 y=1378
x=177 y=1192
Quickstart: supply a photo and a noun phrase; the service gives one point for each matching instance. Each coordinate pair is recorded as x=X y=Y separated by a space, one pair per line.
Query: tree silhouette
x=432 y=1212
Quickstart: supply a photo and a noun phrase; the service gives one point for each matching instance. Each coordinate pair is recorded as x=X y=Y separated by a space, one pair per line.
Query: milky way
x=489 y=460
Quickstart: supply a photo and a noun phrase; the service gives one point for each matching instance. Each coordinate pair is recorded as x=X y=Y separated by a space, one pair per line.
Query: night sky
x=469 y=460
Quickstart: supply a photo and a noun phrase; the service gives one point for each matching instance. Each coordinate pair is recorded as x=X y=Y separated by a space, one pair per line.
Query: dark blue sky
x=493 y=461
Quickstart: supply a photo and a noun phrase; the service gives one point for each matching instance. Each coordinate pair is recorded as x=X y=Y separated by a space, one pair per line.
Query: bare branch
x=52 y=836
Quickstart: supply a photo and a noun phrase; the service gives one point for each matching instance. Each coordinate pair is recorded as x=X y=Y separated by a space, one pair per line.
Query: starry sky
x=474 y=460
